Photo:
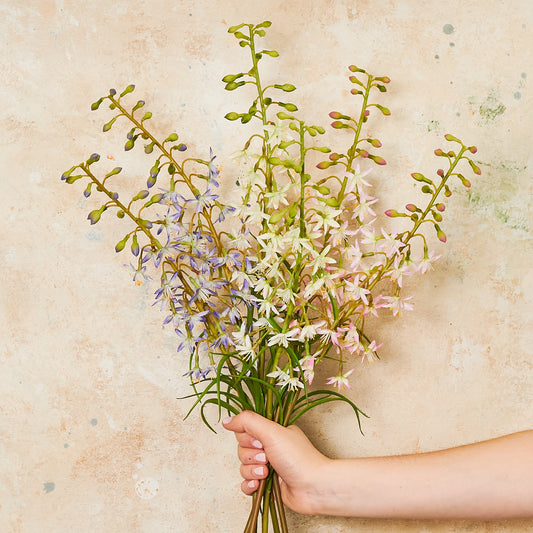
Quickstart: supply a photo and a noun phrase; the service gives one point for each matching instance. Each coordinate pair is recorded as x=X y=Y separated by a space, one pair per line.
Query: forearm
x=487 y=480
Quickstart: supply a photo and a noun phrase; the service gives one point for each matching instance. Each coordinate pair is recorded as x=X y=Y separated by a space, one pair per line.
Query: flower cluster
x=262 y=287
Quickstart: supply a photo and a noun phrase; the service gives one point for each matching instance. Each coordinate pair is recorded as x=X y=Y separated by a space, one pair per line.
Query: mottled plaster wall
x=91 y=434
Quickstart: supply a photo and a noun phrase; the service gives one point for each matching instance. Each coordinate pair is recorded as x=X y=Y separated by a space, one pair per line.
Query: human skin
x=488 y=480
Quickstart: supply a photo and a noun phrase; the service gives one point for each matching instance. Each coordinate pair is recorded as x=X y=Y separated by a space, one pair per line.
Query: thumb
x=254 y=425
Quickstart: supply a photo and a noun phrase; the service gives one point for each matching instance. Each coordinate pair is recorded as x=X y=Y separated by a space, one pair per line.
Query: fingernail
x=251 y=484
x=258 y=470
x=227 y=420
x=257 y=444
x=261 y=457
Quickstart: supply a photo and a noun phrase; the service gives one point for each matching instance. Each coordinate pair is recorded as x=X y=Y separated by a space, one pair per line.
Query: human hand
x=298 y=463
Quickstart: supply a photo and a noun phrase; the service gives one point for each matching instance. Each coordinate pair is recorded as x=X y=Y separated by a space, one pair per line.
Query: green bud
x=171 y=169
x=246 y=118
x=420 y=177
x=450 y=137
x=440 y=234
x=383 y=109
x=242 y=44
x=156 y=198
x=172 y=137
x=130 y=143
x=322 y=189
x=293 y=210
x=94 y=216
x=332 y=202
x=338 y=125
x=233 y=29
x=146 y=116
x=447 y=191
x=107 y=125
x=325 y=164
x=475 y=168
x=121 y=244
x=96 y=104
x=127 y=90
x=287 y=87
x=271 y=53
x=377 y=159
x=437 y=217
x=232 y=116
x=323 y=149
x=149 y=148
x=72 y=179
x=141 y=195
x=116 y=170
x=240 y=35
x=353 y=68
x=233 y=85
x=426 y=189
x=290 y=107
x=120 y=213
x=135 y=245
x=276 y=217
x=265 y=24
x=284 y=116
x=381 y=88
x=464 y=181
x=275 y=161
x=138 y=105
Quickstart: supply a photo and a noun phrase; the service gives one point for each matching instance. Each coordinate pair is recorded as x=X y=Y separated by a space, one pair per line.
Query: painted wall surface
x=92 y=437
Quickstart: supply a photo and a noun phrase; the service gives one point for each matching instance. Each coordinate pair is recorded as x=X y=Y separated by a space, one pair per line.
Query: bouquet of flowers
x=262 y=287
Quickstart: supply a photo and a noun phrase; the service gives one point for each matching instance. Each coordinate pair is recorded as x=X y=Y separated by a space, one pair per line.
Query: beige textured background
x=88 y=380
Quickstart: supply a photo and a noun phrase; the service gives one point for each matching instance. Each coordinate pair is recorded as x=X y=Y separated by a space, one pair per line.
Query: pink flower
x=340 y=380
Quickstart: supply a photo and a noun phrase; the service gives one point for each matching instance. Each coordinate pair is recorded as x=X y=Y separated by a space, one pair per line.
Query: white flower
x=277 y=133
x=283 y=338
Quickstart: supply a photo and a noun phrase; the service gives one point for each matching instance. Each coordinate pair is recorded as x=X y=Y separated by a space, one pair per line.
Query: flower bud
x=127 y=90
x=475 y=168
x=338 y=125
x=472 y=149
x=412 y=208
x=441 y=207
x=440 y=234
x=232 y=116
x=450 y=137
